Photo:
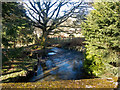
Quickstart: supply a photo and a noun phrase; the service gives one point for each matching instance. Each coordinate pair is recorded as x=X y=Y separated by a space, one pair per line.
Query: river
x=61 y=64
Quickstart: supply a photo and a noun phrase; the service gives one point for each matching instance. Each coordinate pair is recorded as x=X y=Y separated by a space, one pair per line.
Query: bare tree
x=48 y=15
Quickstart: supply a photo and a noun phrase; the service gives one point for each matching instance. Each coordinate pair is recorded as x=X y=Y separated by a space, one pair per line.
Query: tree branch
x=34 y=17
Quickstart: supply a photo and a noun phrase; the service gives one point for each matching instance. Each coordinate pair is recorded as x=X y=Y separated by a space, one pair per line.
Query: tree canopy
x=16 y=25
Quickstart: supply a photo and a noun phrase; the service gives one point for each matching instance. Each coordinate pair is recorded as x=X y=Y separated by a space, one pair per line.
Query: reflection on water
x=56 y=49
x=40 y=70
x=51 y=53
x=61 y=65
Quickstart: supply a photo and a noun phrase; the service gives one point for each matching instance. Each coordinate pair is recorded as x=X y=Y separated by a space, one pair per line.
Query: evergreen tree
x=16 y=25
x=102 y=32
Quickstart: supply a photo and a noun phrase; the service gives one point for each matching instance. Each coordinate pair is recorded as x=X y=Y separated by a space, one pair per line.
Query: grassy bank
x=17 y=63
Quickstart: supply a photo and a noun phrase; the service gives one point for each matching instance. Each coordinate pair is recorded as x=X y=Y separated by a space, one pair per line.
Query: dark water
x=61 y=64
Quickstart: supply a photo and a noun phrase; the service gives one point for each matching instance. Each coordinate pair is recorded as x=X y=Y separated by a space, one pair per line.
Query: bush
x=102 y=32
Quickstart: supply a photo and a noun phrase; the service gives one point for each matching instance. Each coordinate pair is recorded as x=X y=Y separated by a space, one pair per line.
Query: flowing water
x=61 y=64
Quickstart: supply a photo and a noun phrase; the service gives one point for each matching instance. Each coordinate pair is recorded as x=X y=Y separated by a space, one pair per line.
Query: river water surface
x=61 y=64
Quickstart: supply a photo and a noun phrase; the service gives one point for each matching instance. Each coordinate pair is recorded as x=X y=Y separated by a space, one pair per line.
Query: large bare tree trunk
x=44 y=39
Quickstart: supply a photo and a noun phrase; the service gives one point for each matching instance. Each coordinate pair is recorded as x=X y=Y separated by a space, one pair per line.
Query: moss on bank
x=83 y=83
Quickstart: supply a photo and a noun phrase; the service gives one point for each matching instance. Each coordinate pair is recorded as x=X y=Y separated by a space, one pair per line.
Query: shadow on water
x=61 y=64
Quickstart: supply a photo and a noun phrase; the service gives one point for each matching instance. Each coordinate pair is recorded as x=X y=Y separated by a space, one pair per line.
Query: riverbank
x=83 y=83
x=55 y=64
x=18 y=64
x=21 y=70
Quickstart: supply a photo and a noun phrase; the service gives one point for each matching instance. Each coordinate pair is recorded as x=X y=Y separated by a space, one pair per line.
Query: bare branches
x=50 y=12
x=53 y=4
x=33 y=6
x=35 y=23
x=63 y=18
x=30 y=8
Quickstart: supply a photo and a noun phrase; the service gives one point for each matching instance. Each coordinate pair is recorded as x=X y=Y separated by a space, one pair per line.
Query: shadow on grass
x=14 y=61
